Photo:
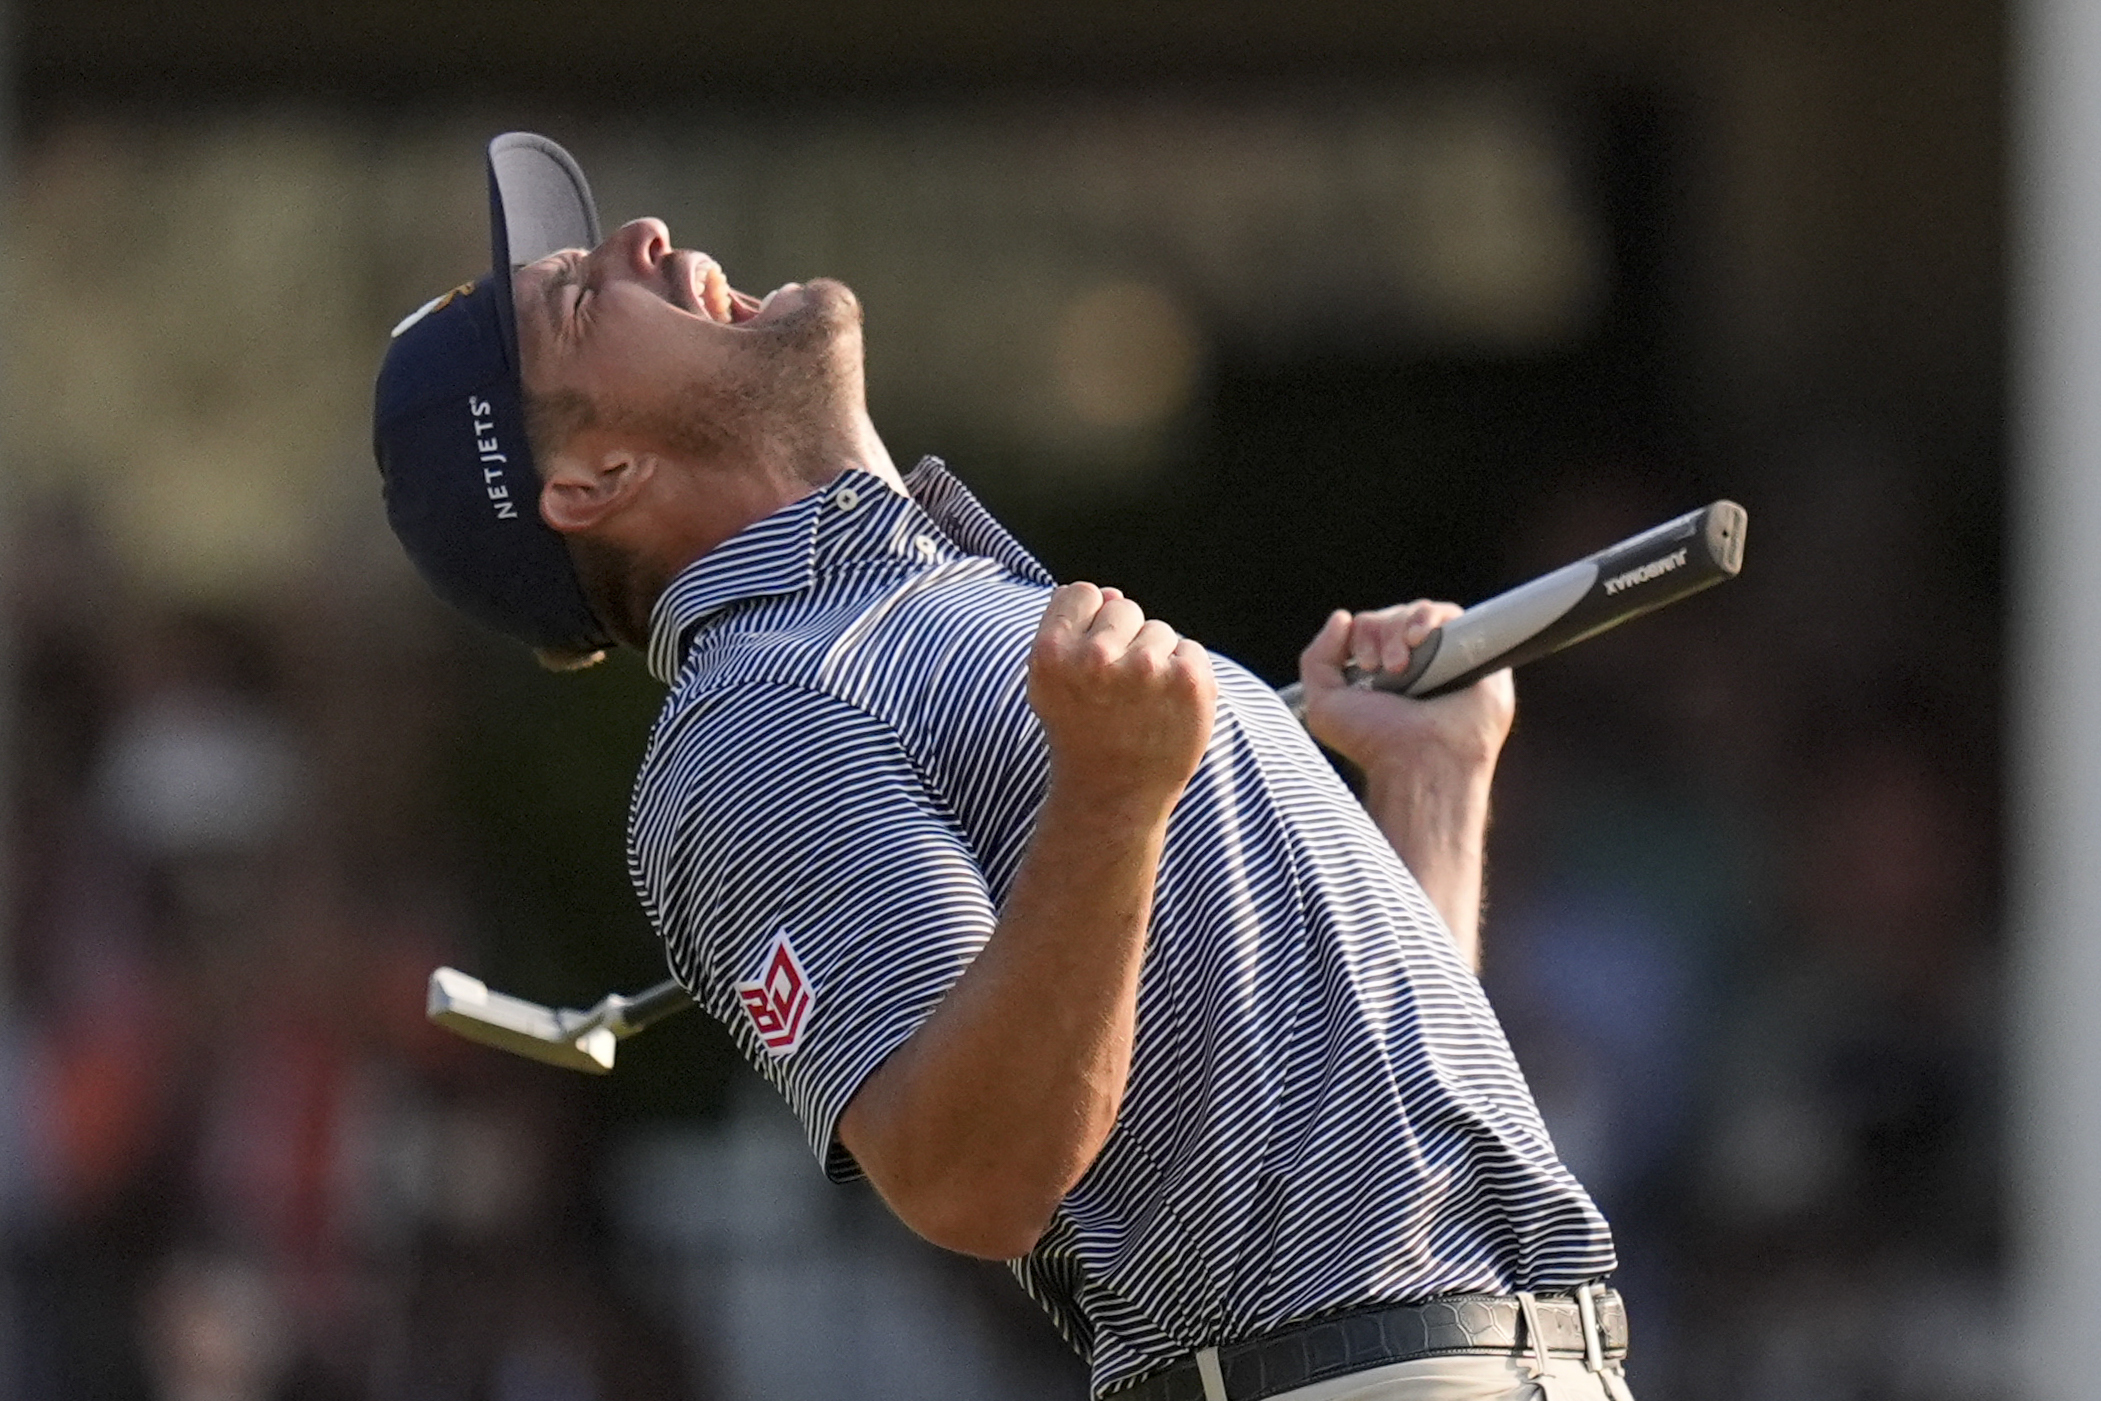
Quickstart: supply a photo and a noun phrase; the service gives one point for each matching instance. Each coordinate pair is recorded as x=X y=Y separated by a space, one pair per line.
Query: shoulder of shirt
x=779 y=556
x=729 y=722
x=699 y=702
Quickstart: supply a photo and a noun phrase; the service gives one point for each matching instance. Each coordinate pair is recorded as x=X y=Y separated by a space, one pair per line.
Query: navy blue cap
x=448 y=421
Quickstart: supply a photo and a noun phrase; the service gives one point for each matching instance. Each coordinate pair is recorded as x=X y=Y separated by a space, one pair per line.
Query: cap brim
x=539 y=203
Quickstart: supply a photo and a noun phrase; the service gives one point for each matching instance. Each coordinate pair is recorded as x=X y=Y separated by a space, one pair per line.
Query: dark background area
x=1744 y=888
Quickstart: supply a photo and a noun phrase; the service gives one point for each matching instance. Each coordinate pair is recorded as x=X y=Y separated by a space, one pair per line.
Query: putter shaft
x=1580 y=600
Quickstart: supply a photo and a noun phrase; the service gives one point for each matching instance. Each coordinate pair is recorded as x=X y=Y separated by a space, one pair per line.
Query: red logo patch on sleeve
x=779 y=1001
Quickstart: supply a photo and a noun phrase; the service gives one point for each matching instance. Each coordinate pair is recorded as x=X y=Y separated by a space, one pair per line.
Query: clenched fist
x=1125 y=701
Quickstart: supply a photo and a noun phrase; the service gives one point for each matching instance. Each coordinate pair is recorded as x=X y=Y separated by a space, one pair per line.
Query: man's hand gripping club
x=977 y=1127
x=1427 y=763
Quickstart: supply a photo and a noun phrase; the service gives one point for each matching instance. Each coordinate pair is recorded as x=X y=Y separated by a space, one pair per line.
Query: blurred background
x=1252 y=310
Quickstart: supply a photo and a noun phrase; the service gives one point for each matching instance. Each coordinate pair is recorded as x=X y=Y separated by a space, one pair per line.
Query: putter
x=563 y=1036
x=1644 y=572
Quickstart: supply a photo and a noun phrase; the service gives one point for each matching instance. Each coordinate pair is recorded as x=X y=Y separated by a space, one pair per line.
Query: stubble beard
x=792 y=396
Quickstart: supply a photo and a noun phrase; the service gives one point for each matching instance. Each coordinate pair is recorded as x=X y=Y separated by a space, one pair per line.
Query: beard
x=786 y=403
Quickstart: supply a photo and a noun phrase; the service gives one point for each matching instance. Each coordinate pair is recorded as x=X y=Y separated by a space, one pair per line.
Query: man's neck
x=719 y=508
x=700 y=508
x=865 y=453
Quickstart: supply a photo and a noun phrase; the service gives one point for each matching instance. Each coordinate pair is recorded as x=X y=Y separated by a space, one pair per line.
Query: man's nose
x=638 y=246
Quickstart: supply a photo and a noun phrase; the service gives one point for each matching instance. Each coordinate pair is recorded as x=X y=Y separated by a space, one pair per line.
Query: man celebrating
x=1054 y=925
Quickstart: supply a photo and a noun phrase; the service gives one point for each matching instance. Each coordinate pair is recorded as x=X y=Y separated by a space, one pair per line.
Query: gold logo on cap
x=465 y=289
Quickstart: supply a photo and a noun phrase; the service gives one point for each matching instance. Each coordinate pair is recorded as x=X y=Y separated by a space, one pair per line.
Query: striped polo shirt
x=1322 y=1111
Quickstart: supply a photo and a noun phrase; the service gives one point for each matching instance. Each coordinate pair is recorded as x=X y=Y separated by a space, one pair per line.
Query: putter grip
x=1659 y=566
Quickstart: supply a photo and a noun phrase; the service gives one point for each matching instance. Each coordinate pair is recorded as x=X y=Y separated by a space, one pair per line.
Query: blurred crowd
x=239 y=1164
x=1743 y=936
x=1742 y=933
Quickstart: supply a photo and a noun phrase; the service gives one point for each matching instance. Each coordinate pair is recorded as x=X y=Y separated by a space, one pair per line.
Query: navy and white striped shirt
x=1322 y=1111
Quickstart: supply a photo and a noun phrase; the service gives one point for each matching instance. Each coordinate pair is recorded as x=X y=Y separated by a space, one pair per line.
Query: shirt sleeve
x=813 y=892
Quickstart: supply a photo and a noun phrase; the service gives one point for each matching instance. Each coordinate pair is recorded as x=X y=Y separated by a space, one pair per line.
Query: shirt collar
x=964 y=519
x=780 y=554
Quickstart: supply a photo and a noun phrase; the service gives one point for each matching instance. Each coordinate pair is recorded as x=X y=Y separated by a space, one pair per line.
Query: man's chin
x=832 y=299
x=819 y=313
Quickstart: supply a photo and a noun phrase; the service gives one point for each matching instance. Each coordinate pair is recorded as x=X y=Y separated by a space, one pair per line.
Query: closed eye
x=561 y=307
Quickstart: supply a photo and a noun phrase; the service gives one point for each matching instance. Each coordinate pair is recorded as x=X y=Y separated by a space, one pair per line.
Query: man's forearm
x=1435 y=815
x=975 y=1128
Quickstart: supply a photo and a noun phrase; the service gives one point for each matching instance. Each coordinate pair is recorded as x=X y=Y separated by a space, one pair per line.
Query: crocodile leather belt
x=1454 y=1324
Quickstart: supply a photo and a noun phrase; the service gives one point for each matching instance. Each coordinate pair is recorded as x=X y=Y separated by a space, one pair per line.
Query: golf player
x=1055 y=926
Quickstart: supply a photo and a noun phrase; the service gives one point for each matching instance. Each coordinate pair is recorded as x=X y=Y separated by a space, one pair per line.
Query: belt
x=1452 y=1324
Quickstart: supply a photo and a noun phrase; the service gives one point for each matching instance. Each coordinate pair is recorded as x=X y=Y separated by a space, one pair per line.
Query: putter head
x=462 y=1003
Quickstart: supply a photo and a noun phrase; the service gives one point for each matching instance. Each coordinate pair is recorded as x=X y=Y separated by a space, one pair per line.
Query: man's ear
x=581 y=490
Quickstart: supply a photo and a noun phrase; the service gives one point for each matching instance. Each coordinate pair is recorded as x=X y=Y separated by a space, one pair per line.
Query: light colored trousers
x=1470 y=1379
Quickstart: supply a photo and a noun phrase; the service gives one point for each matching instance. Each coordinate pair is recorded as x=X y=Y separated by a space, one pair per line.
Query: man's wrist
x=1111 y=802
x=1435 y=816
x=1433 y=789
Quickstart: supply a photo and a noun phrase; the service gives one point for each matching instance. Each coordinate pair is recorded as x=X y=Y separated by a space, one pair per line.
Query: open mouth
x=706 y=292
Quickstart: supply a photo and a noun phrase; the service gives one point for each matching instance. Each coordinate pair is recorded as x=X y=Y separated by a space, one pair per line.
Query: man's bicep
x=812 y=888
